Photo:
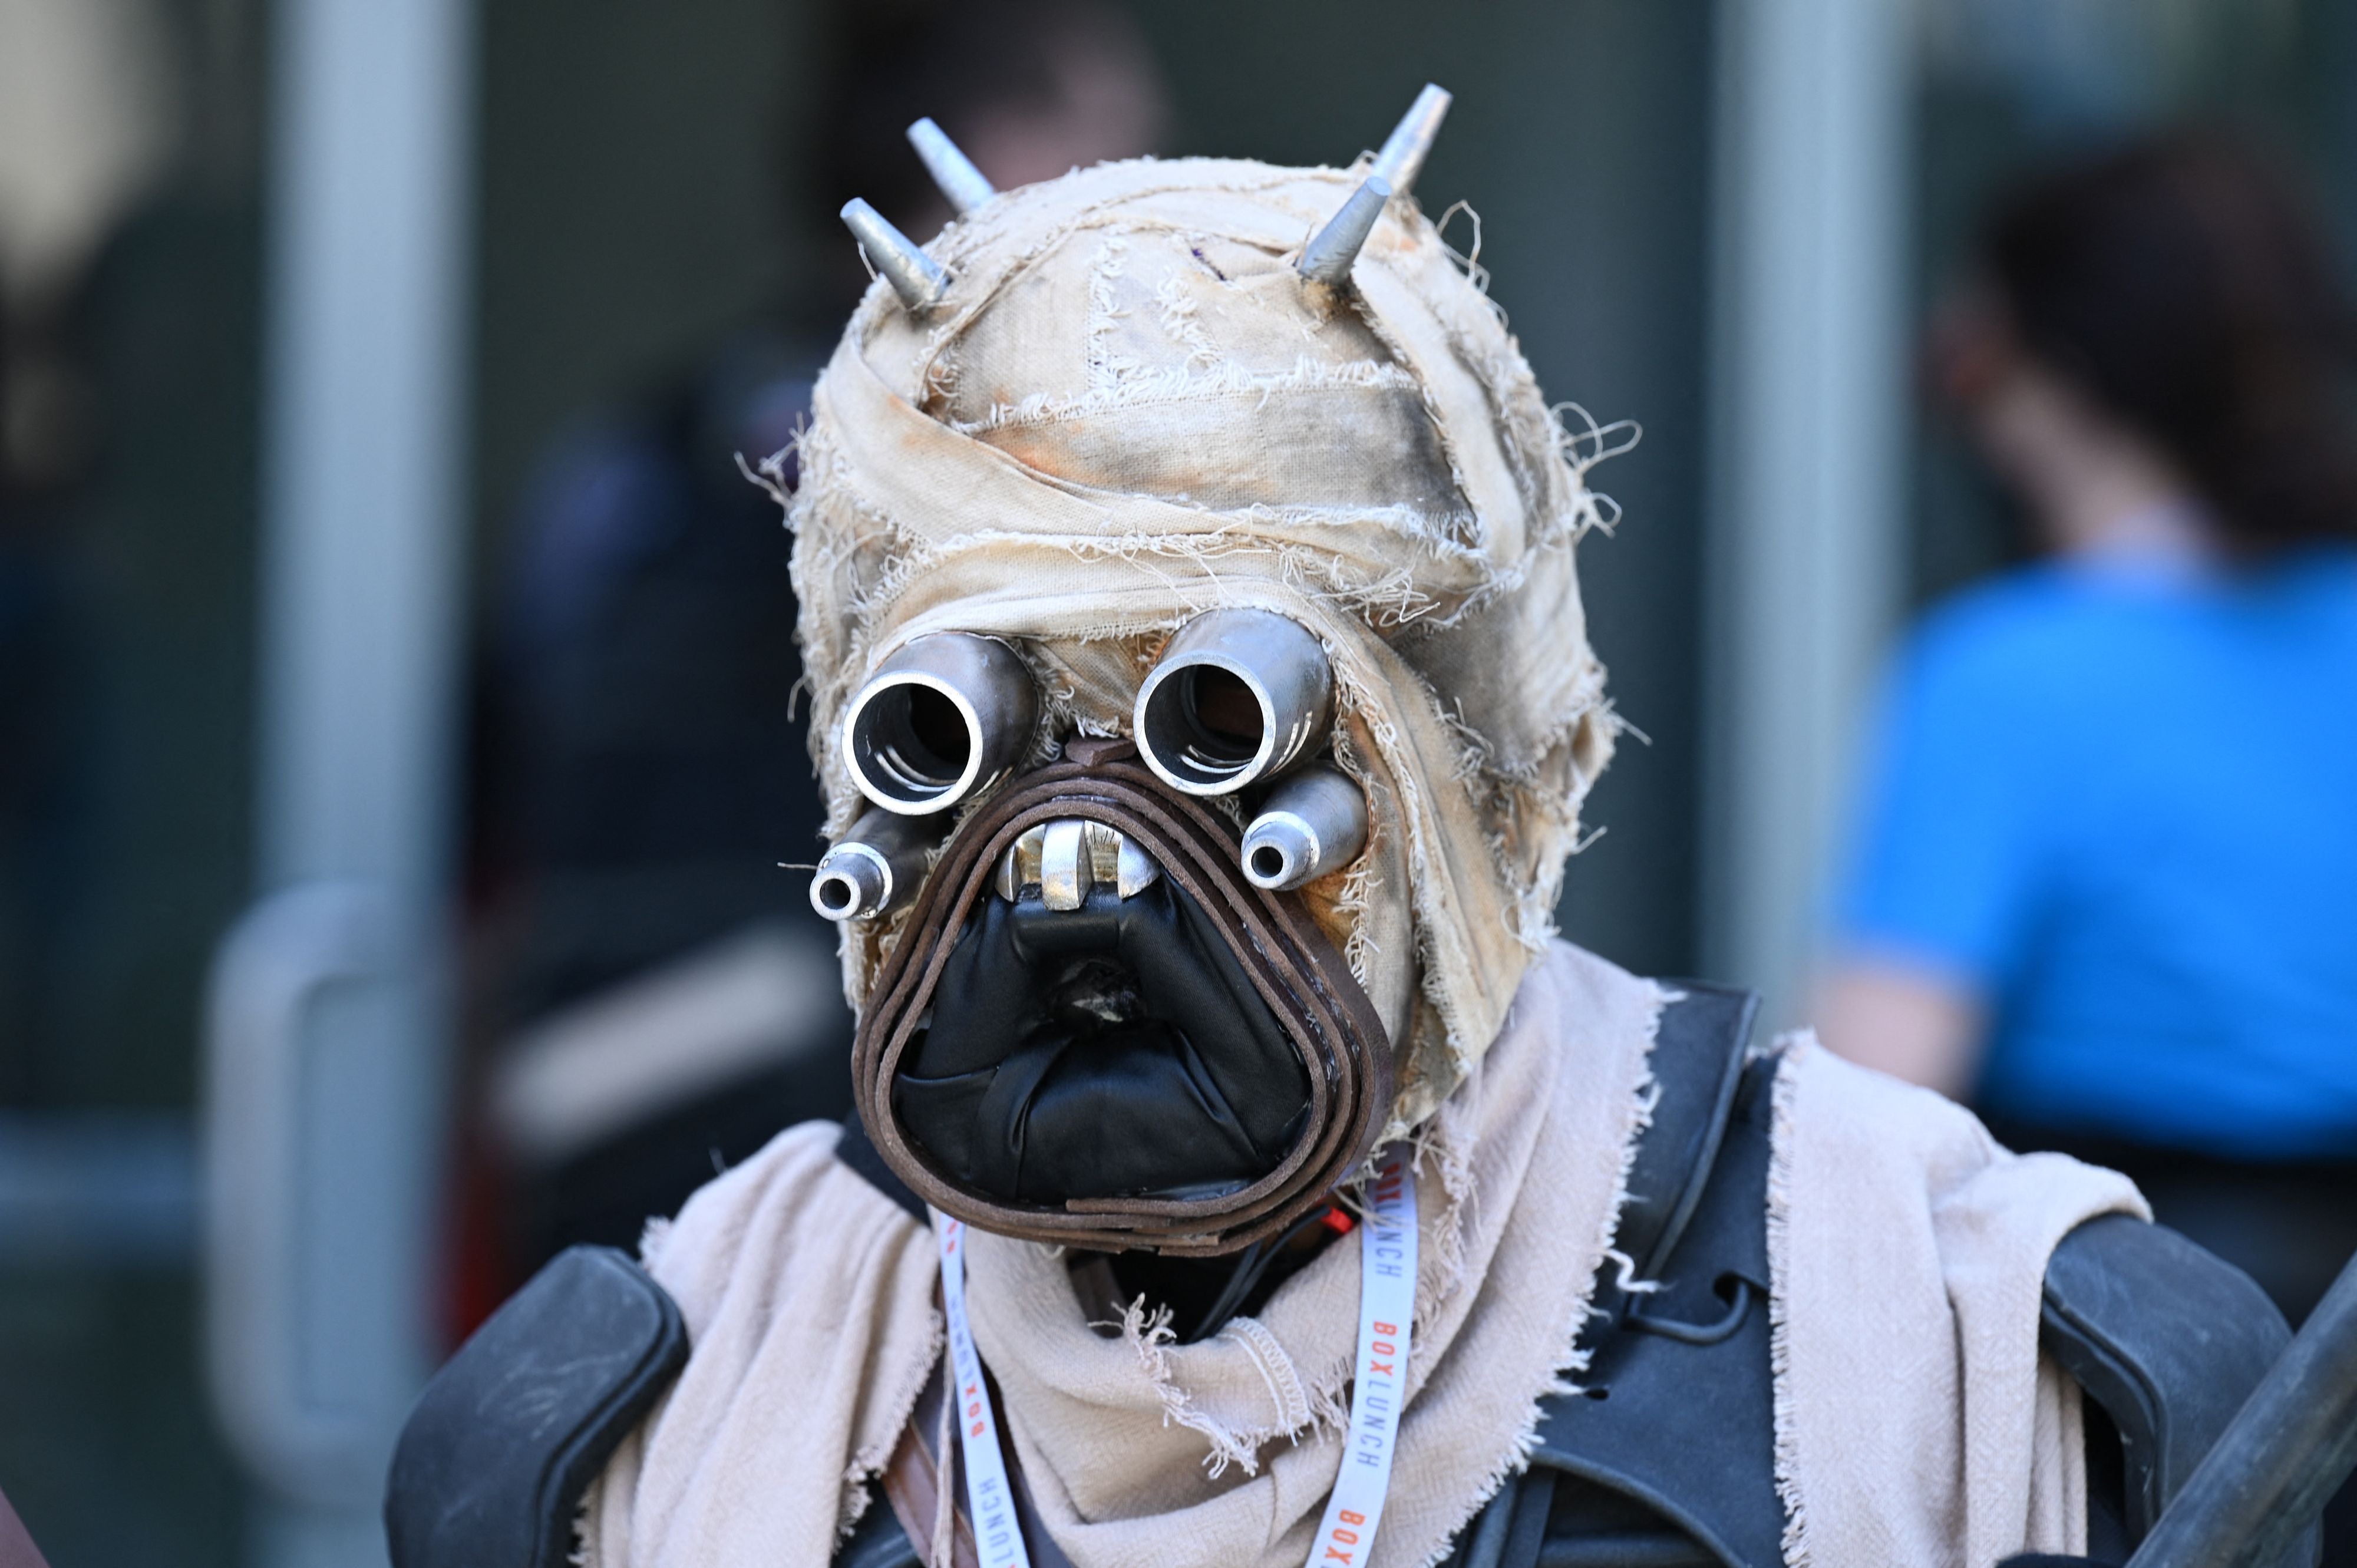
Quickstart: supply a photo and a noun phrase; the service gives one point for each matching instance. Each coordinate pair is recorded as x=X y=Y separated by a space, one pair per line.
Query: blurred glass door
x=130 y=298
x=229 y=421
x=326 y=1035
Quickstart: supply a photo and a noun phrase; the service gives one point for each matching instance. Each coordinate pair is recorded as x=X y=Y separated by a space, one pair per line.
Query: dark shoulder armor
x=1700 y=1045
x=1665 y=1454
x=509 y=1434
x=2167 y=1340
x=506 y=1438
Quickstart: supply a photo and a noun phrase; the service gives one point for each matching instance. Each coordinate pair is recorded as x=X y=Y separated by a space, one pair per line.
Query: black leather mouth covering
x=1114 y=1050
x=1190 y=1069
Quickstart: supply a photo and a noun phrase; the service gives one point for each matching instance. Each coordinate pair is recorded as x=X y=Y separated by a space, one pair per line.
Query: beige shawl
x=1916 y=1426
x=1916 y=1423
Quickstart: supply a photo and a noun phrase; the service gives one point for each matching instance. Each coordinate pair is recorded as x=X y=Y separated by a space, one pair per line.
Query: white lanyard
x=989 y=1501
x=1386 y=1302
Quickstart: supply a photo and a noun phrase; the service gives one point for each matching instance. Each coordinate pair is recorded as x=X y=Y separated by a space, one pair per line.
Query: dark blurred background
x=639 y=266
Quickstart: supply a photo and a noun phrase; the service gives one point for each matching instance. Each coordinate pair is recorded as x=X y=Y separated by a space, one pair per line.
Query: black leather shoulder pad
x=509 y=1434
x=1667 y=1453
x=2167 y=1338
x=1698 y=1052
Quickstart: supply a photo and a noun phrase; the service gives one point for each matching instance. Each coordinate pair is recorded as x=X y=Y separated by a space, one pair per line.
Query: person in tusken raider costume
x=1244 y=1175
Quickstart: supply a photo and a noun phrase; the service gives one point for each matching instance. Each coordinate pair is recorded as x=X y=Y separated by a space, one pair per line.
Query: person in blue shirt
x=2103 y=879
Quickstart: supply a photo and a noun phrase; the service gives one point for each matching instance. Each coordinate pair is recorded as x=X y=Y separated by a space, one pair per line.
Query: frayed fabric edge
x=1307 y=1406
x=651 y=1238
x=1792 y=1049
x=1454 y=1165
x=871 y=1462
x=578 y=1556
x=1641 y=1102
x=1149 y=1334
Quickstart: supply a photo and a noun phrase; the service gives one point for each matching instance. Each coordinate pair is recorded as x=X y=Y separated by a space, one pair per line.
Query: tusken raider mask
x=1202 y=695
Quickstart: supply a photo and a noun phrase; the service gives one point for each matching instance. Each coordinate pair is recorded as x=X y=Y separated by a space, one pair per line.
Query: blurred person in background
x=2100 y=884
x=659 y=996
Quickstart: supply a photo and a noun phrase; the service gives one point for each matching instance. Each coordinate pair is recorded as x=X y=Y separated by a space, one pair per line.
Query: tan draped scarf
x=1916 y=1426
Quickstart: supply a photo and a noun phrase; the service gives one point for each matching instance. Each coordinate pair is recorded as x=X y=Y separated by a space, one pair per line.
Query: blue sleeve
x=1942 y=848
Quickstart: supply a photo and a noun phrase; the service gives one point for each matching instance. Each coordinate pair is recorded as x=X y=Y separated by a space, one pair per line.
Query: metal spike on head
x=914 y=276
x=952 y=170
x=1404 y=153
x=1328 y=257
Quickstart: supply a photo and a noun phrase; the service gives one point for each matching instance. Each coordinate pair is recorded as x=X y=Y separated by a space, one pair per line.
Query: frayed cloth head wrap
x=1129 y=408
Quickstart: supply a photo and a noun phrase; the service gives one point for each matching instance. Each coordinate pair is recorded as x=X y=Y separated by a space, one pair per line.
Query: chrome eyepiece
x=874 y=867
x=1313 y=823
x=942 y=718
x=1238 y=695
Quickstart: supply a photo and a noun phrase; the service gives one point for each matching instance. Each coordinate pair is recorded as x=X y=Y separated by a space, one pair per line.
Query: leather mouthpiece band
x=1171 y=1060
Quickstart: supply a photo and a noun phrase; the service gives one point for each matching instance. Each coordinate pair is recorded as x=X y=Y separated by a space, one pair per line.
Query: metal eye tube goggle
x=1243 y=697
x=941 y=719
x=1238 y=697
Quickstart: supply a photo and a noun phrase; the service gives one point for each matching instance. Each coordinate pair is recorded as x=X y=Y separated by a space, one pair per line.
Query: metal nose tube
x=943 y=718
x=1239 y=695
x=1313 y=823
x=874 y=867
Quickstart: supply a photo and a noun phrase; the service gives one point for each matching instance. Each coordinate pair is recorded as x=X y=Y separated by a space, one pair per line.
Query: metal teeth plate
x=1068 y=857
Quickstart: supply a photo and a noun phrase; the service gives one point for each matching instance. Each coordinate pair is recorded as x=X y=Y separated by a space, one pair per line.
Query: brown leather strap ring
x=1324 y=1012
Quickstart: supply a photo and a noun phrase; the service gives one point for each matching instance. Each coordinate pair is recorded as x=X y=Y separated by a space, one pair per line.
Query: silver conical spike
x=1402 y=158
x=914 y=276
x=952 y=170
x=1328 y=257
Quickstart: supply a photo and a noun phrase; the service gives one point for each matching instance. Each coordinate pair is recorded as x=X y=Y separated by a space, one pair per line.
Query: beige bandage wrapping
x=1130 y=408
